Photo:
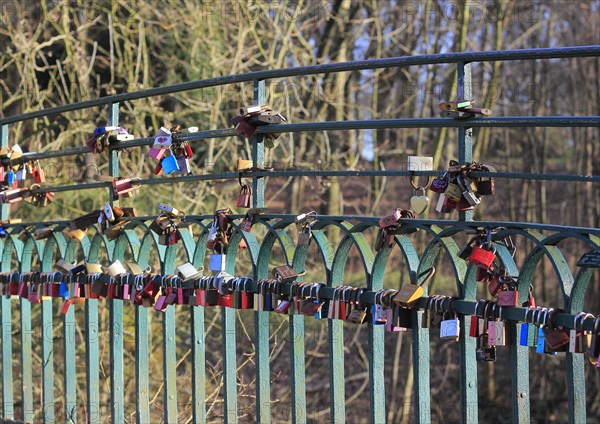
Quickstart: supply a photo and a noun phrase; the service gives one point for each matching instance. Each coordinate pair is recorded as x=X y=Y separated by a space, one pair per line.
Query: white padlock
x=187 y=272
x=116 y=268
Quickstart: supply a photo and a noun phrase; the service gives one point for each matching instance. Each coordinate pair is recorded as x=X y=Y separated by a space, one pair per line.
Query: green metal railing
x=353 y=228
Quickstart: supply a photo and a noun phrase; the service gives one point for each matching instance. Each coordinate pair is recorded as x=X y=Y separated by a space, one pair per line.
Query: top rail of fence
x=402 y=61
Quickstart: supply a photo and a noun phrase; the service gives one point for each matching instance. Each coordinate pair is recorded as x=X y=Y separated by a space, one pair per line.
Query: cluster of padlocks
x=283 y=294
x=20 y=178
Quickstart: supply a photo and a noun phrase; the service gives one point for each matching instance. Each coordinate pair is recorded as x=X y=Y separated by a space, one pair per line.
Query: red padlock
x=245 y=129
x=226 y=300
x=483 y=257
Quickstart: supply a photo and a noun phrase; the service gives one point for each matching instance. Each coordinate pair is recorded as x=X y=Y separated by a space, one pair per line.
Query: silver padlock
x=468 y=194
x=450 y=328
x=108 y=212
x=116 y=268
x=187 y=272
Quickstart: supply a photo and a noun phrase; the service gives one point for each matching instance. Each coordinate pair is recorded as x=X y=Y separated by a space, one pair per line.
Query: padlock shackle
x=428 y=275
x=479 y=302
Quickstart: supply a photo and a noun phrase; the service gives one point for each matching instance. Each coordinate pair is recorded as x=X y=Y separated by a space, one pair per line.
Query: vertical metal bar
x=26 y=364
x=92 y=361
x=229 y=364
x=376 y=355
x=198 y=365
x=113 y=155
x=421 y=358
x=258 y=149
x=7 y=378
x=261 y=319
x=7 y=371
x=70 y=376
x=336 y=371
x=296 y=327
x=468 y=370
x=47 y=363
x=465 y=135
x=117 y=403
x=335 y=337
x=141 y=365
x=169 y=365
x=519 y=356
x=376 y=367
x=576 y=390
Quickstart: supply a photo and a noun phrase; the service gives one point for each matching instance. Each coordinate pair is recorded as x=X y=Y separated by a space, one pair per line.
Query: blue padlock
x=63 y=290
x=169 y=164
x=10 y=178
x=3 y=233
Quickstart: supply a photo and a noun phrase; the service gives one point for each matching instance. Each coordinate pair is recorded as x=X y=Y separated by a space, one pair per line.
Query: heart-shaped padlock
x=419 y=203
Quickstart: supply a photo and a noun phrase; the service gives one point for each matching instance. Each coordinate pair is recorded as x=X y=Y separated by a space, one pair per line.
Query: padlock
x=85 y=221
x=528 y=332
x=285 y=274
x=454 y=190
x=496 y=330
x=450 y=327
x=246 y=224
x=483 y=255
x=116 y=268
x=474 y=324
x=410 y=293
x=217 y=262
x=439 y=185
x=579 y=340
x=163 y=138
x=115 y=231
x=169 y=164
x=188 y=272
x=183 y=162
x=541 y=346
x=444 y=204
x=160 y=224
x=484 y=351
x=12 y=195
x=172 y=236
x=38 y=174
x=468 y=195
x=391 y=219
x=122 y=186
x=594 y=349
x=244 y=198
x=494 y=285
x=64 y=266
x=508 y=297
x=485 y=185
x=467 y=250
x=245 y=129
x=42 y=233
x=556 y=338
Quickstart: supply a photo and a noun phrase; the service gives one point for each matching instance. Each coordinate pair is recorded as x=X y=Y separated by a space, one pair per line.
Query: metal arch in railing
x=456 y=230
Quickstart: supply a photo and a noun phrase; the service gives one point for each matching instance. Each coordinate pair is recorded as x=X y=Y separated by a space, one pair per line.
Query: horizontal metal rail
x=404 y=61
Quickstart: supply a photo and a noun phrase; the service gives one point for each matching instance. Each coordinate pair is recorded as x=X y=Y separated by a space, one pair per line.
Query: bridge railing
x=354 y=229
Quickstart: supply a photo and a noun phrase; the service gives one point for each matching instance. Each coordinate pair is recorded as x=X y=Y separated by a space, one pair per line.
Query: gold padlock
x=409 y=294
x=453 y=191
